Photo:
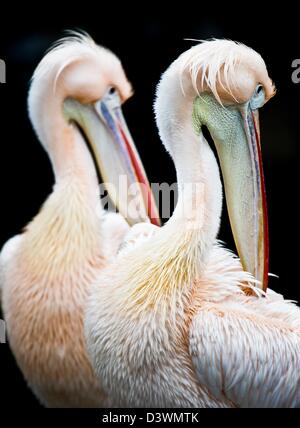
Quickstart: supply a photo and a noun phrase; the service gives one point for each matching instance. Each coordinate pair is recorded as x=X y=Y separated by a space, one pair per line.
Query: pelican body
x=75 y=97
x=178 y=320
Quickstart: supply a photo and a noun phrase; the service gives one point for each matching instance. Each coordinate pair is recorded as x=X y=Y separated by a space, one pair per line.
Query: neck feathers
x=66 y=233
x=62 y=140
x=173 y=260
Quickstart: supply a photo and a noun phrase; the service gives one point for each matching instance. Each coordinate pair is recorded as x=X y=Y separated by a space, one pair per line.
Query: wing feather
x=252 y=361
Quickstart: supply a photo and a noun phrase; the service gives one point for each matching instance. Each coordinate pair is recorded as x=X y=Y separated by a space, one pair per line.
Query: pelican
x=75 y=98
x=177 y=320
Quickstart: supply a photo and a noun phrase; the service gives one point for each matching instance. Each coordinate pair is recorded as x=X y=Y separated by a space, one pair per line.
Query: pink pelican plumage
x=177 y=320
x=75 y=97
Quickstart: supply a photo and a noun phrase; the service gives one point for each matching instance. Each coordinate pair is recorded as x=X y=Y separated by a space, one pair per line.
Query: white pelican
x=47 y=270
x=173 y=323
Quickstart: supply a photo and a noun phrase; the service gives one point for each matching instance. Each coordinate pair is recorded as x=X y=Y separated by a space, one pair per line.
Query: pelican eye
x=112 y=91
x=258 y=98
x=258 y=89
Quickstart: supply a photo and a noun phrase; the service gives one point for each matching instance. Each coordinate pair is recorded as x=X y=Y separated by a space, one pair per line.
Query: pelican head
x=226 y=83
x=85 y=86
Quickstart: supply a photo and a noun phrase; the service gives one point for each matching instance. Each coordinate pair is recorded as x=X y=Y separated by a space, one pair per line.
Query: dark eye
x=258 y=97
x=259 y=89
x=111 y=91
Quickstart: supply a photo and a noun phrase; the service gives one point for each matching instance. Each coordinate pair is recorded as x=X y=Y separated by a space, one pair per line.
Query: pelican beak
x=116 y=157
x=235 y=131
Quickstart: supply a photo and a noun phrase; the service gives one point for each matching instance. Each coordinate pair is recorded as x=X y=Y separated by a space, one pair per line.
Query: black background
x=148 y=38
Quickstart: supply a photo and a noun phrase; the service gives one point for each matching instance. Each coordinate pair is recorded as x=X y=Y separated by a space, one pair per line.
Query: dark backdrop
x=147 y=40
